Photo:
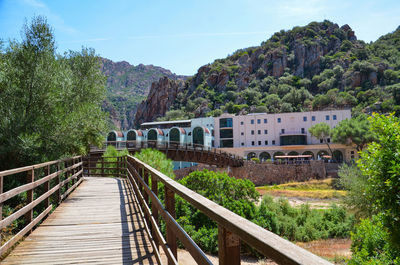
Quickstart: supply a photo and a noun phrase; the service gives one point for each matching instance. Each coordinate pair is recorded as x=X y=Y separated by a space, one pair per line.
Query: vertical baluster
x=154 y=188
x=118 y=173
x=46 y=186
x=58 y=180
x=102 y=166
x=67 y=174
x=1 y=204
x=145 y=195
x=30 y=177
x=171 y=238
x=228 y=247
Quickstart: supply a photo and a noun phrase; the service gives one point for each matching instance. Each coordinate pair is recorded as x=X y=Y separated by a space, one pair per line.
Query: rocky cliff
x=318 y=66
x=127 y=85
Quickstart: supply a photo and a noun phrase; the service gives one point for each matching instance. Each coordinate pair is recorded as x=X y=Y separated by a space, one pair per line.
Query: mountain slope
x=319 y=66
x=127 y=85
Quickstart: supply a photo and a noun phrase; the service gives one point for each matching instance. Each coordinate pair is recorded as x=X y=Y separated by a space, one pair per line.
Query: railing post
x=154 y=188
x=145 y=195
x=171 y=238
x=30 y=177
x=74 y=171
x=1 y=205
x=118 y=175
x=58 y=191
x=47 y=187
x=228 y=247
x=67 y=174
x=102 y=166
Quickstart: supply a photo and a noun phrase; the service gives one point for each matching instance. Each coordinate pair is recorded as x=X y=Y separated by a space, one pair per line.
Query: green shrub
x=370 y=244
x=302 y=224
x=111 y=155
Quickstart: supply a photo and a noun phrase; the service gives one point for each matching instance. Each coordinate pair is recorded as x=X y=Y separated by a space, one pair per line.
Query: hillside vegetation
x=319 y=66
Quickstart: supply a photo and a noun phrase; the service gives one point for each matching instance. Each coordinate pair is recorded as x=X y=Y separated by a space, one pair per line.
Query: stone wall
x=266 y=173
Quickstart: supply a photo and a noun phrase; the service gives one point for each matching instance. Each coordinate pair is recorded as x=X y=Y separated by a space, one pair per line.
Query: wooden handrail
x=68 y=174
x=222 y=156
x=230 y=225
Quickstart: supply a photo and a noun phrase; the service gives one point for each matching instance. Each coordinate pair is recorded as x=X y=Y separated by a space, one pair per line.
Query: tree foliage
x=50 y=104
x=381 y=163
x=322 y=131
x=353 y=131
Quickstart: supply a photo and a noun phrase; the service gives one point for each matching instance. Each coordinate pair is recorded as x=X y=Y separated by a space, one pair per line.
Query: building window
x=352 y=152
x=334 y=117
x=242 y=144
x=252 y=132
x=259 y=142
x=304 y=118
x=265 y=121
x=266 y=142
x=328 y=140
x=226 y=133
x=226 y=143
x=241 y=123
x=282 y=130
x=258 y=121
x=259 y=131
x=252 y=142
x=242 y=133
x=225 y=123
x=303 y=130
x=273 y=142
x=313 y=118
x=252 y=121
x=279 y=120
x=327 y=117
x=321 y=141
x=265 y=131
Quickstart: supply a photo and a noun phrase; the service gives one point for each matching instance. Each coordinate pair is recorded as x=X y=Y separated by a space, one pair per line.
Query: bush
x=370 y=244
x=110 y=155
x=302 y=224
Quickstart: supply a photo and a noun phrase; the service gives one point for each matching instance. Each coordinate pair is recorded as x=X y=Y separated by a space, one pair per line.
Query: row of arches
x=263 y=156
x=198 y=135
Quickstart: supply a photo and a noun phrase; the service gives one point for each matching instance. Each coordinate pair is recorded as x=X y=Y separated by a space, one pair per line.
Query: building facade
x=258 y=135
x=264 y=135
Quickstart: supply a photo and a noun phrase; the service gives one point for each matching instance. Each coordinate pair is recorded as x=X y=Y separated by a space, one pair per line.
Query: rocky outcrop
x=302 y=53
x=127 y=85
x=162 y=95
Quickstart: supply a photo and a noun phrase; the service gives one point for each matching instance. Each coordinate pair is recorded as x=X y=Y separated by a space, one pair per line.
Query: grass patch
x=316 y=189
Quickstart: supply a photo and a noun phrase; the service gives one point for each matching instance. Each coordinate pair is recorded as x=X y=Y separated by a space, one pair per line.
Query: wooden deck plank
x=96 y=224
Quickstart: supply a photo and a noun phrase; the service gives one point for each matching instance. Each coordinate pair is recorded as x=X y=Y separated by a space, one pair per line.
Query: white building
x=265 y=135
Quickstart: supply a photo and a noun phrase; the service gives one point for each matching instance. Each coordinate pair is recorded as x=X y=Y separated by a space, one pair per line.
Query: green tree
x=157 y=160
x=354 y=131
x=322 y=131
x=50 y=104
x=381 y=163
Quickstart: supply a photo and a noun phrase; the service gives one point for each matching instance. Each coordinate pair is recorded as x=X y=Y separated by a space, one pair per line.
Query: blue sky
x=184 y=35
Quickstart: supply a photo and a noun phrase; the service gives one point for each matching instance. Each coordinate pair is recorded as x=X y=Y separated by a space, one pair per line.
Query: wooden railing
x=223 y=157
x=109 y=166
x=58 y=178
x=232 y=228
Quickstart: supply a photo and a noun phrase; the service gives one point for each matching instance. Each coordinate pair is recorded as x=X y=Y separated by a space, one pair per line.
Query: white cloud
x=35 y=3
x=303 y=8
x=189 y=35
x=55 y=20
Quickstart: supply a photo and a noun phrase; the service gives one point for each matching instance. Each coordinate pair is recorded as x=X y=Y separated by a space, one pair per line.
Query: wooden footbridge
x=70 y=217
x=177 y=151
